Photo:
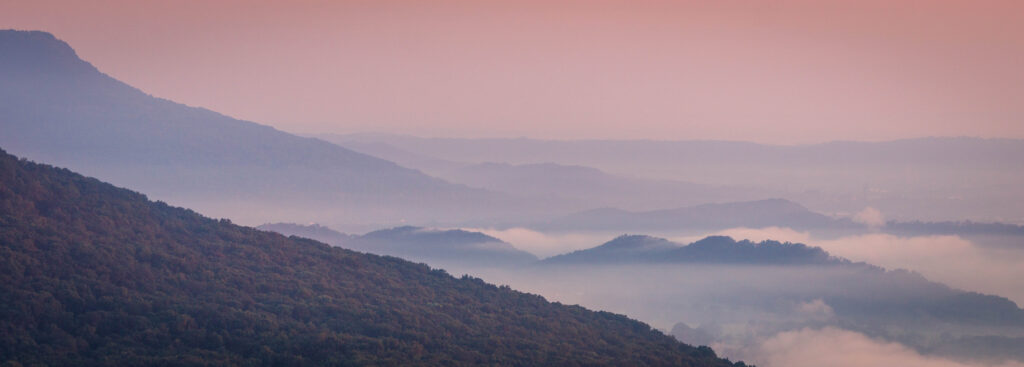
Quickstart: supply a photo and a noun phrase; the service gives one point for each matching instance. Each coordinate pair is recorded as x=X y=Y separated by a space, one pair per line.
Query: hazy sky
x=769 y=71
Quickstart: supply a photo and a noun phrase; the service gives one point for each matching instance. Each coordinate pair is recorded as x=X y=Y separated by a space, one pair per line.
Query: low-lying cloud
x=835 y=347
x=951 y=260
x=870 y=217
x=816 y=309
x=738 y=305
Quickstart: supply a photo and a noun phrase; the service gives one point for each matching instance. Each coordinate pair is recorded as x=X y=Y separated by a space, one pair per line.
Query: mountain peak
x=38 y=52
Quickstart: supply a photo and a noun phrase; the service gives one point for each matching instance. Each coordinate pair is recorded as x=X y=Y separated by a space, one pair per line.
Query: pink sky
x=768 y=71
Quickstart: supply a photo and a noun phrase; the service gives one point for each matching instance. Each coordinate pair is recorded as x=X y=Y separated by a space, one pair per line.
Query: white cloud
x=870 y=217
x=817 y=309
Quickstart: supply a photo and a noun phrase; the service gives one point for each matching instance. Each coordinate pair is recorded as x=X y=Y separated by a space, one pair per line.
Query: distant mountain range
x=433 y=246
x=98 y=275
x=906 y=179
x=57 y=108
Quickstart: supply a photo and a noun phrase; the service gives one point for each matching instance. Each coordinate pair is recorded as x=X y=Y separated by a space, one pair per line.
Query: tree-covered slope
x=91 y=274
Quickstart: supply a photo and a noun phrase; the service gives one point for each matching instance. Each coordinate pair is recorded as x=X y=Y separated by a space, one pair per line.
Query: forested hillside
x=93 y=274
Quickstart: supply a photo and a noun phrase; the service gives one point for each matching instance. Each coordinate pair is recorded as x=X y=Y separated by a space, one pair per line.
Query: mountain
x=434 y=246
x=57 y=108
x=98 y=275
x=754 y=214
x=632 y=249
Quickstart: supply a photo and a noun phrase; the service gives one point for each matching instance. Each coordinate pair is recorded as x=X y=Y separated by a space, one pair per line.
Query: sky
x=783 y=72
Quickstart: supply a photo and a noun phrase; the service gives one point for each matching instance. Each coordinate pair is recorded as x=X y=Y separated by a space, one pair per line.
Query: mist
x=762 y=314
x=870 y=151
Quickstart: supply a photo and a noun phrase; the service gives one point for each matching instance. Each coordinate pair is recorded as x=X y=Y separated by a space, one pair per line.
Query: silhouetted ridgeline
x=93 y=274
